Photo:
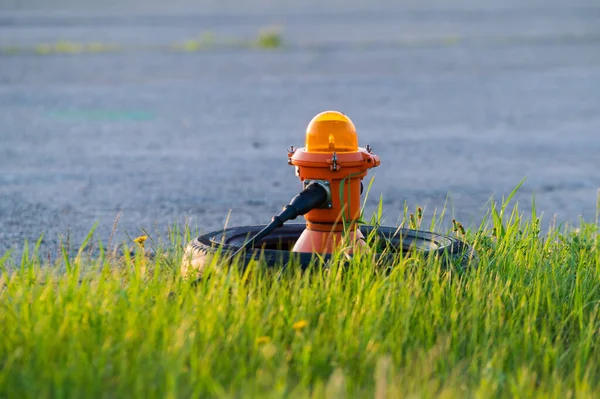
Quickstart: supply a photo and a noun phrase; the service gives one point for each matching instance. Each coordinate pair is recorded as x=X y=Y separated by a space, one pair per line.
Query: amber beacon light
x=332 y=159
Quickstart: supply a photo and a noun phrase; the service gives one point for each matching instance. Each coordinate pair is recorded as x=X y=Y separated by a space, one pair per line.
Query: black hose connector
x=313 y=196
x=310 y=198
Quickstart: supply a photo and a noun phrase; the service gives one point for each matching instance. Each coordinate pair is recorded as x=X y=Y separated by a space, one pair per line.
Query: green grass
x=266 y=39
x=525 y=323
x=270 y=38
x=69 y=47
x=207 y=40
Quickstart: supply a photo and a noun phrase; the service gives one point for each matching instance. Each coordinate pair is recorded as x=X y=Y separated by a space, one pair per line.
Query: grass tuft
x=269 y=38
x=207 y=40
x=68 y=47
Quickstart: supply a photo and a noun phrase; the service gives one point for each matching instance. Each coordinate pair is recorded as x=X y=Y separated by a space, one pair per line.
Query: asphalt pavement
x=461 y=101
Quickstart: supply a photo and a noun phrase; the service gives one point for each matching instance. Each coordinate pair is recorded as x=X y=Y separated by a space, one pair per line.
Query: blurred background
x=181 y=112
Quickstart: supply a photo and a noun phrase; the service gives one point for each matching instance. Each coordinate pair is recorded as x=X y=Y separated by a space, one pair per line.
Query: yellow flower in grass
x=263 y=340
x=299 y=325
x=141 y=240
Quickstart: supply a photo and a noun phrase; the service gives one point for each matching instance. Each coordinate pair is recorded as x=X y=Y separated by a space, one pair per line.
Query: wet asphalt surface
x=460 y=102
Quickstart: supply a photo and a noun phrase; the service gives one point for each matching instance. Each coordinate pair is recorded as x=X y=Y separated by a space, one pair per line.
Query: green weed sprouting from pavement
x=207 y=40
x=522 y=324
x=270 y=38
x=266 y=39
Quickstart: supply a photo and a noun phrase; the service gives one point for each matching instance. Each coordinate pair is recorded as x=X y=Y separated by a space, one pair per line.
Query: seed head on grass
x=458 y=228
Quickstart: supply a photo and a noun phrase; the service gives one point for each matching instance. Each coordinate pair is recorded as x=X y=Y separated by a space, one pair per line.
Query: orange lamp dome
x=331 y=131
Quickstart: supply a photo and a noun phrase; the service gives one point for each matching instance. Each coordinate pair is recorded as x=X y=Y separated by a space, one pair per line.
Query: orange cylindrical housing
x=331 y=156
x=344 y=183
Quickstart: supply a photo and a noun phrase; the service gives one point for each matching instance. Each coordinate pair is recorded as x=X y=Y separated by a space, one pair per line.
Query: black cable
x=310 y=198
